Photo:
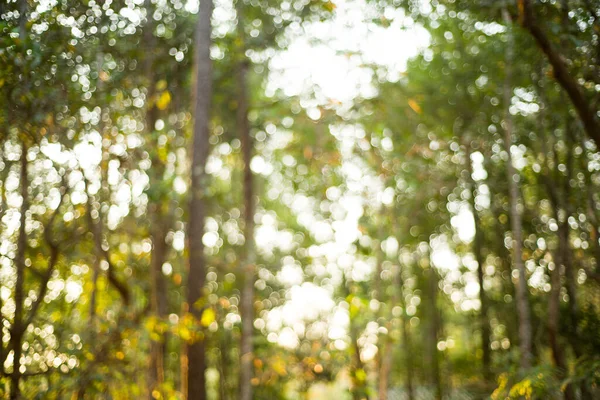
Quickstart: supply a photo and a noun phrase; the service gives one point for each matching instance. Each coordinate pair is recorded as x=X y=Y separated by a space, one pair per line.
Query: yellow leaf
x=361 y=375
x=164 y=100
x=415 y=106
x=279 y=367
x=208 y=317
x=185 y=334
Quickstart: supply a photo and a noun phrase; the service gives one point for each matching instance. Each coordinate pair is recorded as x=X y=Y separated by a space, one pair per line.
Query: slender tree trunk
x=433 y=329
x=158 y=304
x=96 y=262
x=563 y=232
x=94 y=294
x=17 y=329
x=591 y=211
x=560 y=257
x=194 y=360
x=505 y=270
x=224 y=364
x=248 y=264
x=478 y=252
x=385 y=367
x=160 y=221
x=3 y=205
x=406 y=338
x=568 y=260
x=554 y=307
x=553 y=322
x=384 y=353
x=525 y=341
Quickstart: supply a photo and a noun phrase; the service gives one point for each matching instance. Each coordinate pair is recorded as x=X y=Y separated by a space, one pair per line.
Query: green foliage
x=369 y=215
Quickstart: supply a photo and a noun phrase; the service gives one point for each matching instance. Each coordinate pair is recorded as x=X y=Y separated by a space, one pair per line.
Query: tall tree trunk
x=385 y=366
x=563 y=232
x=248 y=264
x=591 y=213
x=17 y=329
x=3 y=205
x=158 y=300
x=525 y=340
x=160 y=221
x=433 y=329
x=384 y=353
x=560 y=258
x=568 y=260
x=554 y=304
x=478 y=241
x=406 y=340
x=224 y=364
x=194 y=360
x=94 y=295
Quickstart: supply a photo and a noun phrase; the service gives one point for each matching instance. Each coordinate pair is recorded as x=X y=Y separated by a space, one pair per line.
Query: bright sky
x=330 y=56
x=328 y=66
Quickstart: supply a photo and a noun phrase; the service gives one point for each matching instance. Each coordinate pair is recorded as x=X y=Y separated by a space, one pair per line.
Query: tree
x=194 y=363
x=525 y=335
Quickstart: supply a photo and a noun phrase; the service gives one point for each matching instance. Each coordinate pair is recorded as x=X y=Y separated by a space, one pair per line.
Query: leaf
x=164 y=100
x=361 y=375
x=414 y=106
x=208 y=317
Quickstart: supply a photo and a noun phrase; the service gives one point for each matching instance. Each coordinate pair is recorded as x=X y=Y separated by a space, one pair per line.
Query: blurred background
x=299 y=199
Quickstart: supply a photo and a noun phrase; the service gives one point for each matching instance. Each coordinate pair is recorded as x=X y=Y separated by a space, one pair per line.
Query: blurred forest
x=175 y=226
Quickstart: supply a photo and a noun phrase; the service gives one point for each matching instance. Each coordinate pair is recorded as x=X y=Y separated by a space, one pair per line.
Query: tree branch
x=54 y=253
x=561 y=72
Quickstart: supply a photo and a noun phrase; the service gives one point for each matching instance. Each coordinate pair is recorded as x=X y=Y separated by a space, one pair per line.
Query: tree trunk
x=248 y=264
x=160 y=221
x=433 y=329
x=406 y=340
x=560 y=258
x=563 y=234
x=224 y=364
x=568 y=260
x=194 y=360
x=385 y=367
x=384 y=353
x=3 y=206
x=525 y=341
x=17 y=329
x=478 y=241
x=159 y=304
